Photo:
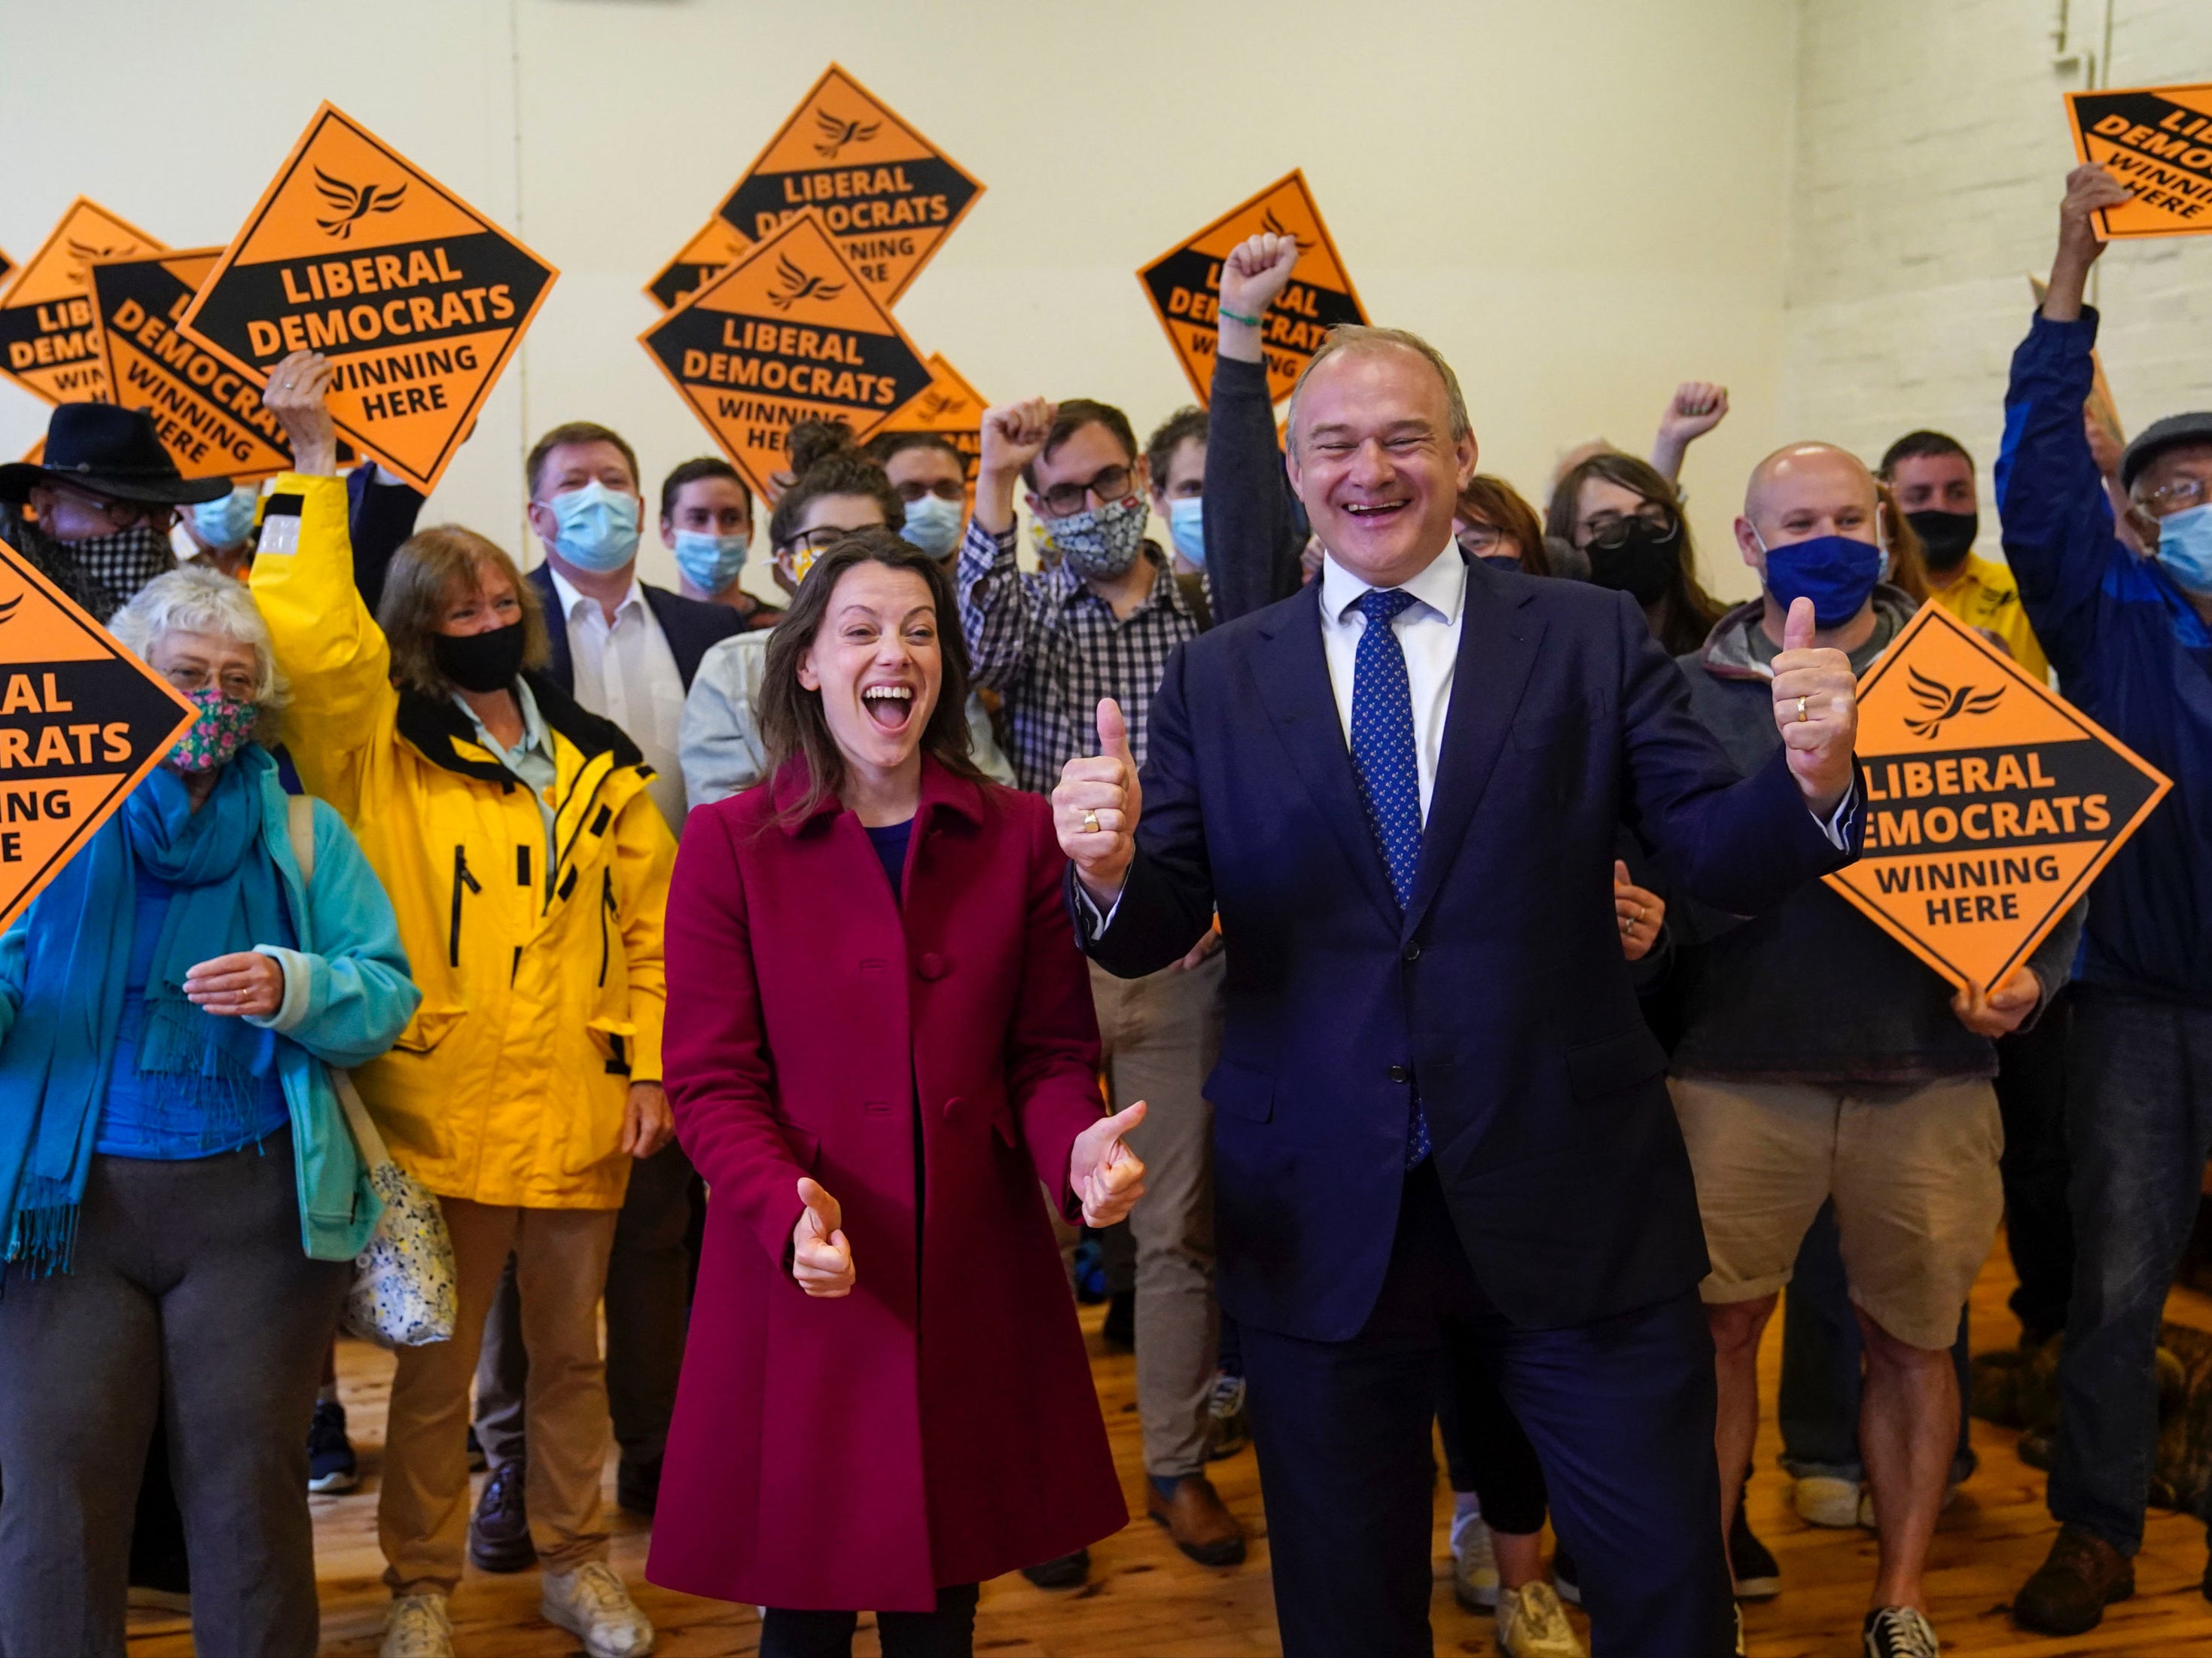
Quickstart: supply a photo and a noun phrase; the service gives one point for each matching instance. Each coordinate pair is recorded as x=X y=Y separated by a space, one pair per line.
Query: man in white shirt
x=627 y=651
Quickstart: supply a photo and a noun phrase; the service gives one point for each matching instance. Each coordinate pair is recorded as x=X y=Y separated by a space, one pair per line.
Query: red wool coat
x=937 y=1426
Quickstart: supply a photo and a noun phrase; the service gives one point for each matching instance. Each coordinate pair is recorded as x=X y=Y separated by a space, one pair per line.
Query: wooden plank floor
x=1146 y=1601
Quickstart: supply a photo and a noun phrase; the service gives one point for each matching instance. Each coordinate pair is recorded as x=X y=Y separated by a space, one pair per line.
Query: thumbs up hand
x=1105 y=1173
x=1816 y=706
x=821 y=1258
x=1095 y=810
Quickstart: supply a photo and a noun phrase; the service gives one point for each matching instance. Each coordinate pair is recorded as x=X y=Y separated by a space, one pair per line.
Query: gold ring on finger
x=1089 y=821
x=1802 y=715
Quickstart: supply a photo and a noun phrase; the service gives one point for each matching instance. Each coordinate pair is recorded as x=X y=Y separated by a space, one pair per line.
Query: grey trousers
x=188 y=1295
x=1161 y=1035
x=649 y=1308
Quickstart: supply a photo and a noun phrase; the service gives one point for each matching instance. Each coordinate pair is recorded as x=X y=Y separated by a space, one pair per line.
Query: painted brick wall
x=1931 y=152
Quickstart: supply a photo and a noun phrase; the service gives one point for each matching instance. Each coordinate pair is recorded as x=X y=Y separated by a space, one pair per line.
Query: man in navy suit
x=1438 y=1114
x=627 y=651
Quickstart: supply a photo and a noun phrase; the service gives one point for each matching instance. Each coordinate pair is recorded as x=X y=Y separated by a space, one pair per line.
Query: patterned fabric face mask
x=225 y=727
x=126 y=560
x=1097 y=545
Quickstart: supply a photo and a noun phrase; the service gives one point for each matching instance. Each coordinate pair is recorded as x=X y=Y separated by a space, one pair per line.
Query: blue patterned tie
x=1389 y=775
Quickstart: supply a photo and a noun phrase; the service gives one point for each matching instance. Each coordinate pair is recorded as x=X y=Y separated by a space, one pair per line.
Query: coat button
x=954 y=1105
x=1402 y=1073
x=933 y=965
x=1413 y=952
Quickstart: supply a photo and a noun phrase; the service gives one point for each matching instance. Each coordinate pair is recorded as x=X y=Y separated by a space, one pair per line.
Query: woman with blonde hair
x=529 y=868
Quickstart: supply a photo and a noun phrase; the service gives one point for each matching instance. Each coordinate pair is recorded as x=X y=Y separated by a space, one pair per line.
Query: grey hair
x=1358 y=337
x=196 y=599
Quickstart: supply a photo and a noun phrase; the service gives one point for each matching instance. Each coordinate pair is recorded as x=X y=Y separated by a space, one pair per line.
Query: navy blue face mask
x=1835 y=572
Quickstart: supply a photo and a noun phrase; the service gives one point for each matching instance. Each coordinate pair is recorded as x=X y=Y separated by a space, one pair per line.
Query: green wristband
x=1237 y=316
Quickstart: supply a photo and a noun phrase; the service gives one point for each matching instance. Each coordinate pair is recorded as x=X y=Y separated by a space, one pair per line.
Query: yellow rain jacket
x=542 y=1002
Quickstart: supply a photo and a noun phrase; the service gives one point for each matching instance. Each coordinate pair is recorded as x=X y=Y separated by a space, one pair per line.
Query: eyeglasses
x=1479 y=538
x=120 y=514
x=822 y=537
x=2177 y=496
x=1611 y=530
x=1064 y=499
x=944 y=490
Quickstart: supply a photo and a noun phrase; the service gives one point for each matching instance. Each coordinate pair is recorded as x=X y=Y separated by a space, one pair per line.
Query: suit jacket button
x=1413 y=952
x=932 y=965
x=1402 y=1073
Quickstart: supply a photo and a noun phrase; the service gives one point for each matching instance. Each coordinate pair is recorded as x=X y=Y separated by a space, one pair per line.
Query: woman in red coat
x=879 y=1040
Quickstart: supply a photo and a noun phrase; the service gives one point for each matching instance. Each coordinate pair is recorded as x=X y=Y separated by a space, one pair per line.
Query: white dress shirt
x=625 y=672
x=1428 y=635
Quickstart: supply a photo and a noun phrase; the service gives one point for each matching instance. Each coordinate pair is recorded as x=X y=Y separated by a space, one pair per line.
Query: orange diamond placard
x=787 y=333
x=2157 y=141
x=888 y=195
x=710 y=253
x=82 y=721
x=209 y=415
x=1184 y=285
x=1992 y=804
x=417 y=299
x=49 y=335
x=952 y=408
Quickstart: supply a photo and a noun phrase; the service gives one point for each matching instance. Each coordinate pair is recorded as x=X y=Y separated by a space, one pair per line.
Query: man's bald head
x=1803 y=476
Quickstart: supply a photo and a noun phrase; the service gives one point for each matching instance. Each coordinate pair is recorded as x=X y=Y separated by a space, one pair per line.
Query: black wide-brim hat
x=105 y=450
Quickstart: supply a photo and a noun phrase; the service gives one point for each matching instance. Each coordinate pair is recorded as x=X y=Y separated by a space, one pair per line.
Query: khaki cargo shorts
x=1913 y=1172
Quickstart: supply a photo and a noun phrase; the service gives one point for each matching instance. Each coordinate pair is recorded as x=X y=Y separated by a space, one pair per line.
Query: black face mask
x=1642 y=565
x=1946 y=537
x=482 y=662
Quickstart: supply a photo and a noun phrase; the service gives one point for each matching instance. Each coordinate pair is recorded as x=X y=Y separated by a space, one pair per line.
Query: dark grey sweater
x=1812 y=991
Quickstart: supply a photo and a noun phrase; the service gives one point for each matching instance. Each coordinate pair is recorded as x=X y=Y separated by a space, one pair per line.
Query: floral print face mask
x=225 y=727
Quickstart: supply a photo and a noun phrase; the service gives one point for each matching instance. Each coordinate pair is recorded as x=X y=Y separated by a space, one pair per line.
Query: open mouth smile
x=890 y=706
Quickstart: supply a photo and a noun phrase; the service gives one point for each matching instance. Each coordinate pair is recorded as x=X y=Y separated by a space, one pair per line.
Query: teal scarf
x=54 y=1061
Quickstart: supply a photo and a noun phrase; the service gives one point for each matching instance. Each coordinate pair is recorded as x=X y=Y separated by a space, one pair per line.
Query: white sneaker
x=1823 y=1500
x=417 y=1627
x=1532 y=1624
x=592 y=1605
x=1475 y=1566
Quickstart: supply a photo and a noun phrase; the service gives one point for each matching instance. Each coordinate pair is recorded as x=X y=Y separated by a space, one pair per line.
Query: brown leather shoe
x=2071 y=1590
x=1196 y=1519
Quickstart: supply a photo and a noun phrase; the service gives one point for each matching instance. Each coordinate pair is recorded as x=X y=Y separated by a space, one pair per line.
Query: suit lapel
x=561 y=669
x=1498 y=644
x=1291 y=670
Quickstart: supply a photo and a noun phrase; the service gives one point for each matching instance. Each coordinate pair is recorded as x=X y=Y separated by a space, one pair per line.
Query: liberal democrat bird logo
x=836 y=134
x=1943 y=703
x=350 y=203
x=1273 y=226
x=932 y=404
x=799 y=285
x=7 y=611
x=82 y=254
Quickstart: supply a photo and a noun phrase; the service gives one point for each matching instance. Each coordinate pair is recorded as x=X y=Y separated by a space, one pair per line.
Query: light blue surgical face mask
x=595 y=527
x=1186 y=528
x=709 y=562
x=222 y=523
x=2185 y=548
x=932 y=524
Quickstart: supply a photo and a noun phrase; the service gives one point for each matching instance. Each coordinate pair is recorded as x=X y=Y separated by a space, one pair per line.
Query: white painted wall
x=1581 y=201
x=1932 y=153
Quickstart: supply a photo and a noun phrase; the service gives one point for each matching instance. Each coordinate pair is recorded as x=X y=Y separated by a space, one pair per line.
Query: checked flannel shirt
x=1052 y=649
